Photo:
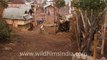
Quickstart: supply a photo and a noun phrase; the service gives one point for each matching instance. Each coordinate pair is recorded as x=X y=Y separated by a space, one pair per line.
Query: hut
x=15 y=3
x=50 y=12
x=49 y=9
x=16 y=17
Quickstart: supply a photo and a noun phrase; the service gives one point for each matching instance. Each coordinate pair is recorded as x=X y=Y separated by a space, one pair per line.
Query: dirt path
x=32 y=41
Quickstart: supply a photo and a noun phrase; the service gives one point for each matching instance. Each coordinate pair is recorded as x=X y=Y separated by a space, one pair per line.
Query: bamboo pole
x=83 y=20
x=76 y=28
x=103 y=40
x=103 y=36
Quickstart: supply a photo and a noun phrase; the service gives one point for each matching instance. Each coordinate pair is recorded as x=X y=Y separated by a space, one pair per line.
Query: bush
x=4 y=31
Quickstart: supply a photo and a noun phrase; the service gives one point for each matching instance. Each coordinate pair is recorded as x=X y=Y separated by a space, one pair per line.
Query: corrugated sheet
x=16 y=13
x=17 y=1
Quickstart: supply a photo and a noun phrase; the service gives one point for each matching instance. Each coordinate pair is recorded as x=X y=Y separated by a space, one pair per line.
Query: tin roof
x=21 y=1
x=45 y=6
x=17 y=1
x=16 y=13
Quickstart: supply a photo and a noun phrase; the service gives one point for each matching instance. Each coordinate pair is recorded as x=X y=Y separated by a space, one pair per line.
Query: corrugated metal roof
x=17 y=1
x=45 y=6
x=21 y=1
x=16 y=13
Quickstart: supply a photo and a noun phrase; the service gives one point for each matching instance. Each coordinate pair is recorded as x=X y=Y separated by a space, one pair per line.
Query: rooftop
x=16 y=13
x=17 y=1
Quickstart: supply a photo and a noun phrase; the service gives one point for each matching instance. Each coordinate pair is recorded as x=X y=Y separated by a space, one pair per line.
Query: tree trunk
x=1 y=12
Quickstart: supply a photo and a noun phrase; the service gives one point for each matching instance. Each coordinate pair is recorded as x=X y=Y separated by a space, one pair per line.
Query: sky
x=67 y=1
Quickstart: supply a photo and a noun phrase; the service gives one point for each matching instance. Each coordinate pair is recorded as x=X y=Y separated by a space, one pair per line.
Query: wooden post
x=103 y=40
x=95 y=46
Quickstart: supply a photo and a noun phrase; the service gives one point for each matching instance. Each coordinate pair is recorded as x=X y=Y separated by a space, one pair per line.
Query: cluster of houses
x=16 y=16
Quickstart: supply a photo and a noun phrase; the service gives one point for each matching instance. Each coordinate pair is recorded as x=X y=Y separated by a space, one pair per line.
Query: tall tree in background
x=59 y=3
x=89 y=14
x=3 y=4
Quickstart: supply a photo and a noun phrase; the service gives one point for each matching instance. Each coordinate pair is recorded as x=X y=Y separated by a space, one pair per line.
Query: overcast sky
x=67 y=1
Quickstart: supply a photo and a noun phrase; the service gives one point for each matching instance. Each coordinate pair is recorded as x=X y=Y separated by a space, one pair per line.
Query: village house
x=20 y=3
x=50 y=12
x=17 y=14
x=16 y=17
x=15 y=3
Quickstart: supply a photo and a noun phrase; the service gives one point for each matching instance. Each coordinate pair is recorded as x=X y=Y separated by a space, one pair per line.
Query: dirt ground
x=33 y=41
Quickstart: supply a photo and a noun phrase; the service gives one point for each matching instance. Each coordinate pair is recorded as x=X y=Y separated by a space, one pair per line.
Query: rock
x=7 y=48
x=11 y=44
x=103 y=58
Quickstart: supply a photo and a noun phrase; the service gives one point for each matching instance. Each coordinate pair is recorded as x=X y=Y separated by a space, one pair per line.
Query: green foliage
x=4 y=31
x=59 y=3
x=95 y=5
x=3 y=3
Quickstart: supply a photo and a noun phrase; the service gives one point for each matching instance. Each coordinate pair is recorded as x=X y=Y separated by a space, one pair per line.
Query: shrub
x=4 y=31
